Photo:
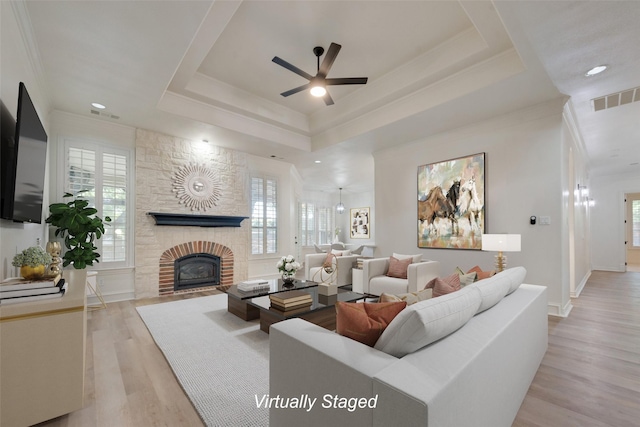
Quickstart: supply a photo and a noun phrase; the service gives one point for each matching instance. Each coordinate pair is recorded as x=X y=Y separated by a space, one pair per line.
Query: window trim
x=278 y=228
x=101 y=148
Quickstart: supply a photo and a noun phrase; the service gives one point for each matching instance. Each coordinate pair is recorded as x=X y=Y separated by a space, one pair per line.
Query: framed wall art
x=359 y=223
x=451 y=203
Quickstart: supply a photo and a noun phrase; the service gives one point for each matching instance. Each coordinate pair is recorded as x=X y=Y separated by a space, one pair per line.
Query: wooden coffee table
x=238 y=301
x=322 y=311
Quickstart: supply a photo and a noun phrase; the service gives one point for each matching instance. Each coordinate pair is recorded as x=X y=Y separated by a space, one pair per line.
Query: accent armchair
x=313 y=263
x=376 y=281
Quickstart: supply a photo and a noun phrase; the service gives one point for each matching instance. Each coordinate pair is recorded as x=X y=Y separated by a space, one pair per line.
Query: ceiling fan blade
x=296 y=90
x=291 y=67
x=346 y=81
x=329 y=58
x=327 y=99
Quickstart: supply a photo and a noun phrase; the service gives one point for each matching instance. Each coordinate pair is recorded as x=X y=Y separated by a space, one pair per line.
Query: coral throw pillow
x=444 y=285
x=365 y=322
x=398 y=268
x=481 y=274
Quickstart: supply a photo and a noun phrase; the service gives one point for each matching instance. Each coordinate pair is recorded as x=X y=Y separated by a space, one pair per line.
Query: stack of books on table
x=291 y=301
x=20 y=290
x=253 y=285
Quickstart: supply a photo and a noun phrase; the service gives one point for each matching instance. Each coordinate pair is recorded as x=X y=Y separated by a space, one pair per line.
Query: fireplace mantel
x=196 y=220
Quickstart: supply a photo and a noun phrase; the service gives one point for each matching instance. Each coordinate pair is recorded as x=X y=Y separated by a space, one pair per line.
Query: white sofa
x=476 y=376
x=313 y=263
x=375 y=280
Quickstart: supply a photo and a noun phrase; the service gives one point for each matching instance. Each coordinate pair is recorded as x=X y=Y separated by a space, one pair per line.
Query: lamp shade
x=340 y=205
x=501 y=242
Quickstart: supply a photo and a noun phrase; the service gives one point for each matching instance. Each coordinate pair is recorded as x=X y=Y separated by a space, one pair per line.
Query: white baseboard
x=558 y=311
x=581 y=285
x=607 y=268
x=93 y=300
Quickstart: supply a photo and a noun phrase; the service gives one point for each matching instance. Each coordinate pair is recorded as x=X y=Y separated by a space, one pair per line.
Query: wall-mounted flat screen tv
x=23 y=162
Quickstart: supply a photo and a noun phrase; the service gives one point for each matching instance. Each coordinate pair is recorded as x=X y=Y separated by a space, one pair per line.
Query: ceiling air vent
x=615 y=99
x=104 y=114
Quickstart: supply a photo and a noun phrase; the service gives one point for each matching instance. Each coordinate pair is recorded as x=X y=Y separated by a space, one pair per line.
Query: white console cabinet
x=42 y=356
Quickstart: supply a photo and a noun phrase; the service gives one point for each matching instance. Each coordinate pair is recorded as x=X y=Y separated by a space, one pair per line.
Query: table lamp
x=501 y=243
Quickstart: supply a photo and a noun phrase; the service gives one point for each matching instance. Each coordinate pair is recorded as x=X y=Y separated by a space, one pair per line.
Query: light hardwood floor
x=590 y=375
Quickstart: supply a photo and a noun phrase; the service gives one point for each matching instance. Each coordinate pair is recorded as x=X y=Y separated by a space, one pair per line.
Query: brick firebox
x=168 y=257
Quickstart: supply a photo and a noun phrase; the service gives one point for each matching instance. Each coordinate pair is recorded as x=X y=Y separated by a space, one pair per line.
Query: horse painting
x=469 y=205
x=438 y=205
x=451 y=203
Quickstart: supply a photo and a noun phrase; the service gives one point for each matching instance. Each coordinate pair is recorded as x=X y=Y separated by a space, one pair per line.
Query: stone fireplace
x=182 y=230
x=195 y=266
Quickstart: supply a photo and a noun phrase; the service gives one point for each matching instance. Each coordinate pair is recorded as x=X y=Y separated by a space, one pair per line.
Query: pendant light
x=340 y=206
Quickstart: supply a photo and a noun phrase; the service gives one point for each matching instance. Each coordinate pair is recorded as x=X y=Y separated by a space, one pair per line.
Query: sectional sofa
x=485 y=344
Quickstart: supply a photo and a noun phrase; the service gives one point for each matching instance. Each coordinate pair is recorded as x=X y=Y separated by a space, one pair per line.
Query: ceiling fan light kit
x=318 y=83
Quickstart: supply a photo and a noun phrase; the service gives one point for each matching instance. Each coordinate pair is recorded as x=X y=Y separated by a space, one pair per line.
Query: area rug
x=221 y=361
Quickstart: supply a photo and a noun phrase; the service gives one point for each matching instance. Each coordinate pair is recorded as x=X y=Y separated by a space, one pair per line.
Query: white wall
x=20 y=64
x=607 y=219
x=114 y=284
x=577 y=249
x=525 y=176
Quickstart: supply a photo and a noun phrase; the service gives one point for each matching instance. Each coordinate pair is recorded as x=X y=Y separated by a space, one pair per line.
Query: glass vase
x=287 y=277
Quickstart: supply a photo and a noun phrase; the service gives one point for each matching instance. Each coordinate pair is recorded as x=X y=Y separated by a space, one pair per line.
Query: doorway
x=632 y=232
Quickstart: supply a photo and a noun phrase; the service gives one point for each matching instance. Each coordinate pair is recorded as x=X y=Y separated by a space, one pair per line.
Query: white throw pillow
x=338 y=252
x=414 y=258
x=427 y=321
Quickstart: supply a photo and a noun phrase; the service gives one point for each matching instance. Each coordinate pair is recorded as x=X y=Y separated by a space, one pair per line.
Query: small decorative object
x=197 y=186
x=287 y=266
x=451 y=203
x=54 y=249
x=360 y=223
x=80 y=227
x=32 y=262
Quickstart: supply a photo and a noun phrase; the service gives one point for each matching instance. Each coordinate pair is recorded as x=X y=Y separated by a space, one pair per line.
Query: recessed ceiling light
x=595 y=70
x=318 y=161
x=98 y=105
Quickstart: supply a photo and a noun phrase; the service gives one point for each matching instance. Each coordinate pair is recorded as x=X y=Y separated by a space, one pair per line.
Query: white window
x=315 y=224
x=634 y=217
x=103 y=176
x=307 y=223
x=264 y=216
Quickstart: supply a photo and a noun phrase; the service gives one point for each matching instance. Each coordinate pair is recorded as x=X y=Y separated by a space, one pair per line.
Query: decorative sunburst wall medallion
x=197 y=187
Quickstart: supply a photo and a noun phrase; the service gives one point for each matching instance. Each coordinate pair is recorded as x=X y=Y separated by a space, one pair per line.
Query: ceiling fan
x=319 y=82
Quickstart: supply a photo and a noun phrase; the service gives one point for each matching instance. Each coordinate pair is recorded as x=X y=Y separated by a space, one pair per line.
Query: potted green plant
x=32 y=262
x=80 y=227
